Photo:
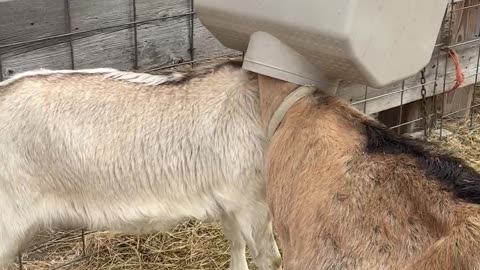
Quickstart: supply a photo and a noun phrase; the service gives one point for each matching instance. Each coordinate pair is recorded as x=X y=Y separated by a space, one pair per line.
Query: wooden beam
x=409 y=117
x=23 y=20
x=465 y=25
x=457 y=104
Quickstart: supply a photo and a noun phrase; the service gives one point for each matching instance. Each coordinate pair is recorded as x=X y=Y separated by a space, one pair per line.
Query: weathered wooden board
x=159 y=42
x=89 y=15
x=466 y=21
x=164 y=43
x=457 y=104
x=407 y=118
x=207 y=45
x=114 y=49
x=52 y=57
x=22 y=20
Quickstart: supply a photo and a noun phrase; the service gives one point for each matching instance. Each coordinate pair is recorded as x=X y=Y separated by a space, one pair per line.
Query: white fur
x=133 y=77
x=106 y=154
x=144 y=78
x=46 y=72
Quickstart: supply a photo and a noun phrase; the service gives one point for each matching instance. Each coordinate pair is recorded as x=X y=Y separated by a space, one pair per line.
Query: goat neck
x=272 y=94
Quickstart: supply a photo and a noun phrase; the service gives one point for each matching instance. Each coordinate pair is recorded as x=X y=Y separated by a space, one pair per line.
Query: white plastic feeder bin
x=375 y=42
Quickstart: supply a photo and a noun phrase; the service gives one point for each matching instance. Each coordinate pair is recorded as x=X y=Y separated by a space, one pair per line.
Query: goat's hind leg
x=457 y=250
x=13 y=237
x=16 y=228
x=255 y=224
x=8 y=247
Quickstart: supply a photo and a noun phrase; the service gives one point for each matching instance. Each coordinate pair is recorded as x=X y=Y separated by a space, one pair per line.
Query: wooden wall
x=165 y=42
x=160 y=42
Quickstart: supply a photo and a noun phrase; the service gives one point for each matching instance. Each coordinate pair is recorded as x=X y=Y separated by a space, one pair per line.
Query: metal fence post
x=135 y=36
x=1 y=68
x=20 y=261
x=68 y=26
x=192 y=33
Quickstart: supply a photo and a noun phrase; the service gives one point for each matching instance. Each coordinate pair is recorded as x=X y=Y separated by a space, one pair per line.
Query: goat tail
x=457 y=250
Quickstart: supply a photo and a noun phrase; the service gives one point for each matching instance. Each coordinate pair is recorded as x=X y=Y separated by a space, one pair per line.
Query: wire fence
x=69 y=36
x=433 y=117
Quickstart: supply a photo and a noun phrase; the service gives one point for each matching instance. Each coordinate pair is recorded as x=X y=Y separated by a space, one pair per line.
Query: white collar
x=286 y=104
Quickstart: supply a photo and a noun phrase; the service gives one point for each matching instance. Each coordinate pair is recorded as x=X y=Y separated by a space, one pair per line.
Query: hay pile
x=193 y=245
x=465 y=140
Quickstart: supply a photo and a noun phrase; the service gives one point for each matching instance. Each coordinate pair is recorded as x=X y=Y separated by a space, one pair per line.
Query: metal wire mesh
x=436 y=115
x=440 y=80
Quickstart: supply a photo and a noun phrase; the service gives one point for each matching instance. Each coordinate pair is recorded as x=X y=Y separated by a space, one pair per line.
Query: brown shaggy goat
x=347 y=193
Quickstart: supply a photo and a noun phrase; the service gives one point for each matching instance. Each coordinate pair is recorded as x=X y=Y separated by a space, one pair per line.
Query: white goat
x=132 y=152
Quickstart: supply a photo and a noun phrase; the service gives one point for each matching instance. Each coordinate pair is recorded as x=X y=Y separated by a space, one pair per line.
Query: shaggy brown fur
x=348 y=194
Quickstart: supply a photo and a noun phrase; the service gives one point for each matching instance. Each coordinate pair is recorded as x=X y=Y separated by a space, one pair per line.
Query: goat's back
x=98 y=148
x=340 y=203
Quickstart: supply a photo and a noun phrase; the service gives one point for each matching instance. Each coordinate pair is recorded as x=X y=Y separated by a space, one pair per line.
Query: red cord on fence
x=459 y=76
